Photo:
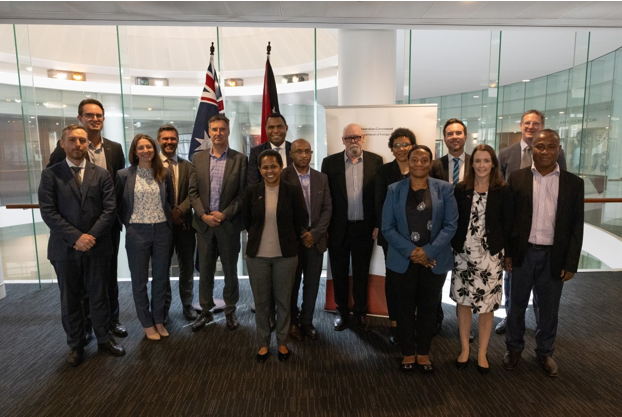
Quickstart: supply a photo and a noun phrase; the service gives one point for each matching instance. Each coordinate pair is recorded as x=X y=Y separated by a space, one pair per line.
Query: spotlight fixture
x=294 y=78
x=525 y=81
x=67 y=75
x=146 y=81
x=234 y=82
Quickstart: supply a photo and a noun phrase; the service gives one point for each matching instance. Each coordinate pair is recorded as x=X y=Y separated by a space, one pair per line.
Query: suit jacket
x=70 y=213
x=335 y=169
x=499 y=217
x=231 y=194
x=387 y=174
x=440 y=167
x=321 y=203
x=115 y=159
x=509 y=160
x=254 y=177
x=124 y=188
x=444 y=225
x=291 y=217
x=183 y=199
x=568 y=237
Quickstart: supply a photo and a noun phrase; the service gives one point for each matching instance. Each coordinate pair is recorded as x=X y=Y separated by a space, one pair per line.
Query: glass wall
x=147 y=76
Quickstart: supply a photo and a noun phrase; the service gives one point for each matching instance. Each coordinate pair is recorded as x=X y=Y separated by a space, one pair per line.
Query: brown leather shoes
x=309 y=331
x=548 y=365
x=75 y=356
x=510 y=360
x=295 y=332
x=232 y=321
x=204 y=318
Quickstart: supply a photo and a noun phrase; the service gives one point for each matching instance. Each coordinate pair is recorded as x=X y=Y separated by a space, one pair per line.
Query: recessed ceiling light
x=525 y=81
x=475 y=96
x=561 y=112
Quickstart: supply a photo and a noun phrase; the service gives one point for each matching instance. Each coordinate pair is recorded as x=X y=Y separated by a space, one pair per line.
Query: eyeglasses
x=92 y=116
x=303 y=152
x=353 y=139
x=535 y=125
x=403 y=145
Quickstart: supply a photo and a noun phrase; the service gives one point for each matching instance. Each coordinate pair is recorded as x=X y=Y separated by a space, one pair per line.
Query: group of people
x=430 y=217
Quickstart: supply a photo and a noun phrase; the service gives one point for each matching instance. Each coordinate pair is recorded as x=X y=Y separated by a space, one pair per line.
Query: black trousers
x=75 y=278
x=309 y=263
x=389 y=290
x=359 y=245
x=418 y=290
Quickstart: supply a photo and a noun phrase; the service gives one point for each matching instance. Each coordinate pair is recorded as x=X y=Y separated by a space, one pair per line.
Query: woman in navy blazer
x=419 y=219
x=275 y=216
x=145 y=198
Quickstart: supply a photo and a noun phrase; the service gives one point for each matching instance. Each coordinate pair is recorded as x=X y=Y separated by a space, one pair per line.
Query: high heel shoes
x=151 y=333
x=261 y=358
x=283 y=357
x=161 y=330
x=483 y=370
x=461 y=365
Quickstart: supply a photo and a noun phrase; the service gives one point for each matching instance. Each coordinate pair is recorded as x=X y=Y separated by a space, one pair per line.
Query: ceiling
x=338 y=14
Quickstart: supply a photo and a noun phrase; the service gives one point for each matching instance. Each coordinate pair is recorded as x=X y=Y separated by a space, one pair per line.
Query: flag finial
x=269 y=48
x=211 y=49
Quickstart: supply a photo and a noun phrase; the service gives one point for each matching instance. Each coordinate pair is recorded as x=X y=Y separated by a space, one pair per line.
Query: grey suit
x=310 y=259
x=184 y=239
x=440 y=167
x=70 y=212
x=510 y=157
x=146 y=242
x=224 y=240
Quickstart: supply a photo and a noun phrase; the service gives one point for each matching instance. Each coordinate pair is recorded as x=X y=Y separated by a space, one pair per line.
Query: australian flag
x=211 y=104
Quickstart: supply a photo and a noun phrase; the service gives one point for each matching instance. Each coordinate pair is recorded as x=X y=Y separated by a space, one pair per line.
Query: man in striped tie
x=451 y=168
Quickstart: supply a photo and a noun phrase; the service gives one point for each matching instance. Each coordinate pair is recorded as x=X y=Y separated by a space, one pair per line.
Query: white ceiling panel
x=501 y=9
x=305 y=8
x=354 y=9
x=452 y=9
x=551 y=9
x=402 y=9
x=255 y=8
x=595 y=10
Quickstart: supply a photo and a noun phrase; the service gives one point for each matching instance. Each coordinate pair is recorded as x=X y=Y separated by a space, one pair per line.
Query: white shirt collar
x=71 y=164
x=461 y=157
x=346 y=158
x=282 y=145
x=523 y=145
x=302 y=175
x=164 y=158
x=536 y=172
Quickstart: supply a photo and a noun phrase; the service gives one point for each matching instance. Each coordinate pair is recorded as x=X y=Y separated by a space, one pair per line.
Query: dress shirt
x=97 y=155
x=174 y=167
x=282 y=150
x=216 y=175
x=545 y=193
x=147 y=201
x=354 y=187
x=450 y=168
x=82 y=166
x=305 y=183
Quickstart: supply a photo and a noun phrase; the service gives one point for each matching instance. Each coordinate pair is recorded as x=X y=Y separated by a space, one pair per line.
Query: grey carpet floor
x=214 y=372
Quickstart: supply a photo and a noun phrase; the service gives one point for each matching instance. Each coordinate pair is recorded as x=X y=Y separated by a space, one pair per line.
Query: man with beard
x=351 y=233
x=276 y=128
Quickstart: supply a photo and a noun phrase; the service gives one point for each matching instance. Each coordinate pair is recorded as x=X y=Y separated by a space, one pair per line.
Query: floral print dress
x=477 y=278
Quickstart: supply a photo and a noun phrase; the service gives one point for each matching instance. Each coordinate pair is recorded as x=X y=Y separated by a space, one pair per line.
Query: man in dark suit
x=311 y=250
x=451 y=168
x=276 y=128
x=108 y=155
x=545 y=247
x=184 y=239
x=217 y=183
x=351 y=179
x=515 y=157
x=77 y=203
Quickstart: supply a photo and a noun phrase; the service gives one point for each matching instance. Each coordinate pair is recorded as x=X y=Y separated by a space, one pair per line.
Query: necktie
x=456 y=176
x=306 y=192
x=525 y=160
x=169 y=163
x=76 y=176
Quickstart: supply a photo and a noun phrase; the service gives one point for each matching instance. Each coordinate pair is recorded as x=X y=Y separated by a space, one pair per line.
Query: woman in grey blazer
x=145 y=198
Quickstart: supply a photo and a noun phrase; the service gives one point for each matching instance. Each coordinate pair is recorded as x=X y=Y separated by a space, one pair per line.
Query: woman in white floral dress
x=484 y=225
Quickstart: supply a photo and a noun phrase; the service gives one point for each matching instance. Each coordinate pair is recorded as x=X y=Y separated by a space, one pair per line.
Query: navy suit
x=70 y=212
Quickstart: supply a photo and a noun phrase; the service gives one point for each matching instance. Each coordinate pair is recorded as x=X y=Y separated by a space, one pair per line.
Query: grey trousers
x=212 y=244
x=144 y=242
x=309 y=263
x=272 y=278
x=184 y=242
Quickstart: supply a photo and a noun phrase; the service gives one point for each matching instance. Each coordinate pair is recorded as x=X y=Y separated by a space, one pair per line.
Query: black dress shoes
x=462 y=365
x=75 y=356
x=295 y=332
x=263 y=358
x=362 y=322
x=283 y=357
x=510 y=360
x=111 y=347
x=190 y=313
x=500 y=329
x=309 y=331
x=426 y=369
x=232 y=321
x=407 y=368
x=118 y=329
x=341 y=323
x=548 y=365
x=482 y=370
x=205 y=317
x=393 y=336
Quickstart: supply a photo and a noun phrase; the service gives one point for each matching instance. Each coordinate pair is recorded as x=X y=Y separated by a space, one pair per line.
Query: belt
x=533 y=245
x=355 y=221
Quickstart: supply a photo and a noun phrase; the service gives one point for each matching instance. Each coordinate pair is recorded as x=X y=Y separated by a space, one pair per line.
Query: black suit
x=70 y=212
x=254 y=177
x=440 y=167
x=346 y=238
x=539 y=268
x=115 y=160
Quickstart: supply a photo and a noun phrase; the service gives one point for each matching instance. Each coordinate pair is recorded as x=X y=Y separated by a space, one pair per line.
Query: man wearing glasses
x=311 y=250
x=108 y=155
x=351 y=233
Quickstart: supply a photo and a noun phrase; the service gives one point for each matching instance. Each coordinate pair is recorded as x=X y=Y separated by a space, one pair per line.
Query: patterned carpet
x=214 y=373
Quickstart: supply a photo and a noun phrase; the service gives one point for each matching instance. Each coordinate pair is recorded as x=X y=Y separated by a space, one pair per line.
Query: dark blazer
x=509 y=160
x=499 y=217
x=568 y=238
x=115 y=159
x=387 y=174
x=440 y=167
x=69 y=214
x=124 y=189
x=231 y=194
x=291 y=217
x=183 y=200
x=254 y=177
x=321 y=203
x=335 y=169
x=444 y=224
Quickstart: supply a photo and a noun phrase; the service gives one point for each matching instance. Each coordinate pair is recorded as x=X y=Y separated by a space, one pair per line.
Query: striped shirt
x=545 y=193
x=216 y=175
